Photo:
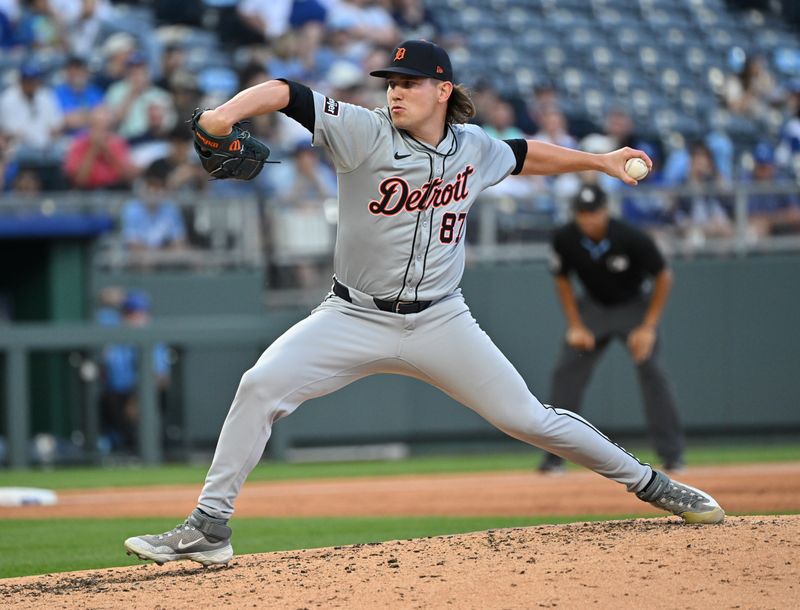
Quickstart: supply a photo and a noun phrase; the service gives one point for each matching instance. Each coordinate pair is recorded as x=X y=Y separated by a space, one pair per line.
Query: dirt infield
x=747 y=562
x=758 y=488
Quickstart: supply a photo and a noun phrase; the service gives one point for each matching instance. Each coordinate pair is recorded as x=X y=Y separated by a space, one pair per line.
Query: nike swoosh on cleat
x=398 y=156
x=182 y=546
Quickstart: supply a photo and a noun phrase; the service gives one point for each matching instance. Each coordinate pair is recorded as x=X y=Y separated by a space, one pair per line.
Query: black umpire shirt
x=613 y=270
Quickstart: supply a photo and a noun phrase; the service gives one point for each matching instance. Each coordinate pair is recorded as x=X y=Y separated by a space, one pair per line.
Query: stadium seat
x=621 y=81
x=218 y=80
x=669 y=59
x=554 y=58
x=696 y=59
x=526 y=79
x=649 y=59
x=603 y=59
x=628 y=39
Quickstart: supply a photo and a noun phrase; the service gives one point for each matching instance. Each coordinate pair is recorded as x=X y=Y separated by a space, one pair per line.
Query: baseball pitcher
x=408 y=175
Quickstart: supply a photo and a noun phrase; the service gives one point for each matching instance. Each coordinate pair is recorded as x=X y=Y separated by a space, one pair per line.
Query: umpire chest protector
x=612 y=270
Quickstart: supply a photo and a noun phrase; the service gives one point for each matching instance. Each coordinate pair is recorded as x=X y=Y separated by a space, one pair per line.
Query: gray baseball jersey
x=403 y=204
x=402 y=211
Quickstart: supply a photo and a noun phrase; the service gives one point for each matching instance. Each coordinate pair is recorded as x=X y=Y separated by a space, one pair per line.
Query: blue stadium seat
x=469 y=20
x=554 y=58
x=218 y=79
x=668 y=120
x=195 y=37
x=769 y=40
x=537 y=38
x=603 y=59
x=628 y=39
x=508 y=59
x=742 y=131
x=670 y=81
x=696 y=59
x=582 y=37
x=622 y=81
x=199 y=58
x=526 y=79
x=521 y=21
x=595 y=105
x=666 y=58
x=649 y=59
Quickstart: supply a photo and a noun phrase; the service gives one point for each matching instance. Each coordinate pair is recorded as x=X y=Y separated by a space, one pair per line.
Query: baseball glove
x=237 y=155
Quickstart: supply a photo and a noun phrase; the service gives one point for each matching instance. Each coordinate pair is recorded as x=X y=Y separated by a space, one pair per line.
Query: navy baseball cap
x=764 y=154
x=589 y=199
x=136 y=301
x=31 y=70
x=419 y=58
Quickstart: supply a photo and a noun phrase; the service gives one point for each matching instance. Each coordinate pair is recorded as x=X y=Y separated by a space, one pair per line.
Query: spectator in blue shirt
x=153 y=221
x=77 y=95
x=648 y=210
x=8 y=37
x=9 y=167
x=770 y=213
x=788 y=151
x=119 y=404
x=707 y=210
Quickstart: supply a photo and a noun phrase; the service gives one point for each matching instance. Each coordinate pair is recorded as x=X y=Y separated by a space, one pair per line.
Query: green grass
x=29 y=547
x=73 y=478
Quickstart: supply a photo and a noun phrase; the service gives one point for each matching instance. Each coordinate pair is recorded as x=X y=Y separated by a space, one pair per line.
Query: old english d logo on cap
x=419 y=58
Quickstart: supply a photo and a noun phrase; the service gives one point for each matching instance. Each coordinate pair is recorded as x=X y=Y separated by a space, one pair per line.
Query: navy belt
x=403 y=307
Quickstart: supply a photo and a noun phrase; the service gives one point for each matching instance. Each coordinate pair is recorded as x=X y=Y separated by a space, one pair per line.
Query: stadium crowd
x=96 y=94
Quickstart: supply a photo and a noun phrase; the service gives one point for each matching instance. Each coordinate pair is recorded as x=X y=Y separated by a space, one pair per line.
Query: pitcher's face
x=413 y=100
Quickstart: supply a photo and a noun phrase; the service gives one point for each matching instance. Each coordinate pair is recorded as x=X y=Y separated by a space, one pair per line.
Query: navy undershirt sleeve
x=301 y=104
x=520 y=150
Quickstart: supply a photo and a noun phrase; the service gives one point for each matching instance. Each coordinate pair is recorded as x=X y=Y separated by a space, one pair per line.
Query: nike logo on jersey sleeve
x=398 y=156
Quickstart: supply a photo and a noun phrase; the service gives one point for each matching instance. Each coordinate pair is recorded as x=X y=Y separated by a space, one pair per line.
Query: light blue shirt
x=122 y=368
x=153 y=228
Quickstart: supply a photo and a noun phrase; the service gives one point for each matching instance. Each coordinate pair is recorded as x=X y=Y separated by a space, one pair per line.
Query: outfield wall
x=731 y=340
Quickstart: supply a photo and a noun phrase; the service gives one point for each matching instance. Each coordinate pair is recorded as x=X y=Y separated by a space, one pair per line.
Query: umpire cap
x=589 y=199
x=419 y=58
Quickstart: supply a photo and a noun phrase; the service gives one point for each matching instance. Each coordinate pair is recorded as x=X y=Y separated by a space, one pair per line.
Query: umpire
x=613 y=262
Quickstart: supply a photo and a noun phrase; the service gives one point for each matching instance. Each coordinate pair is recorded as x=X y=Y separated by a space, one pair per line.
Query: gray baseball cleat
x=199 y=538
x=693 y=505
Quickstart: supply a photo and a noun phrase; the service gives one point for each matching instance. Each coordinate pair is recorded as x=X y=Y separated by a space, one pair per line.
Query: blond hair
x=460 y=108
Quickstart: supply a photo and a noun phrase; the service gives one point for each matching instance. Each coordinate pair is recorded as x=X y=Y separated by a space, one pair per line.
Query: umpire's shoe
x=693 y=505
x=200 y=538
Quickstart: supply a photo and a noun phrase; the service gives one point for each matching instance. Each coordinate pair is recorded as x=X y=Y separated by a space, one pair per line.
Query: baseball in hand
x=636 y=168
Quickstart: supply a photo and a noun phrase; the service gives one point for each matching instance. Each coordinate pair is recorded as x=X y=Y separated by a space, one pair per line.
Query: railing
x=18 y=341
x=491 y=243
x=221 y=233
x=243 y=231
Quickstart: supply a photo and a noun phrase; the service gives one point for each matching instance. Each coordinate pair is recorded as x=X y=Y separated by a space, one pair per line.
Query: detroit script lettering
x=396 y=195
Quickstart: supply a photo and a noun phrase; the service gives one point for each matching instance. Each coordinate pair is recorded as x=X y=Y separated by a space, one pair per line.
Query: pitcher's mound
x=747 y=562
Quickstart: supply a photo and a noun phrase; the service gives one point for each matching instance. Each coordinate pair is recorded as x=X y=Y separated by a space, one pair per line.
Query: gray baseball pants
x=574 y=370
x=443 y=345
